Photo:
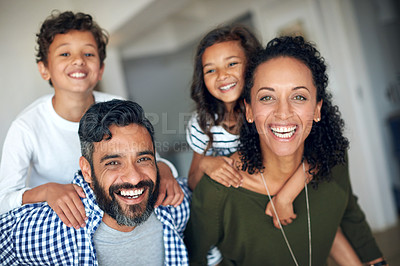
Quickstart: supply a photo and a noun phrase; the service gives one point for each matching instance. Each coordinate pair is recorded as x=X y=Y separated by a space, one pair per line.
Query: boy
x=42 y=144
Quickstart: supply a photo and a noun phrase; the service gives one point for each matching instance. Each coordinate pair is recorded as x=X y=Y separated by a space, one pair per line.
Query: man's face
x=124 y=175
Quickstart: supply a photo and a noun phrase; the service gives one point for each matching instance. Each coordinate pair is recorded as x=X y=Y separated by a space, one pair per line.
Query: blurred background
x=150 y=58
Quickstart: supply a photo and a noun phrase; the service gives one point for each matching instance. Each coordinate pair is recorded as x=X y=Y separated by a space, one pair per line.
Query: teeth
x=227 y=87
x=283 y=132
x=78 y=75
x=132 y=193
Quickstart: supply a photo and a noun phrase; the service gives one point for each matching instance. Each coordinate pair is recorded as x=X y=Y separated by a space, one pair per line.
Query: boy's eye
x=89 y=54
x=300 y=98
x=64 y=54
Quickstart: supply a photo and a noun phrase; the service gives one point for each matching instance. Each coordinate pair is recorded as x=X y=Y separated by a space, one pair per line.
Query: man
x=120 y=178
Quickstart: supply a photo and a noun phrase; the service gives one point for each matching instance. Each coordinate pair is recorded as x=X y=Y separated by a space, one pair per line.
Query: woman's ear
x=249 y=112
x=317 y=112
x=43 y=71
x=86 y=169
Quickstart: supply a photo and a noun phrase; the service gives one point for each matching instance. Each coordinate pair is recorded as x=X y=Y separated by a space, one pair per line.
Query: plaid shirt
x=34 y=235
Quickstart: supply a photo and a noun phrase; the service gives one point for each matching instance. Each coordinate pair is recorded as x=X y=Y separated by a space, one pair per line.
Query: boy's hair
x=61 y=23
x=207 y=106
x=95 y=123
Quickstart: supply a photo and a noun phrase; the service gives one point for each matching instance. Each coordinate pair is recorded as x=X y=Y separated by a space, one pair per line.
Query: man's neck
x=108 y=220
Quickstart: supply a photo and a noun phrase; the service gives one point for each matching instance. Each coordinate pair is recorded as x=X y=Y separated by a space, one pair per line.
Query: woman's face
x=223 y=70
x=283 y=105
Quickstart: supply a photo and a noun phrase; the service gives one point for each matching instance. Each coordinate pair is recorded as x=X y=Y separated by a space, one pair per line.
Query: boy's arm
x=283 y=201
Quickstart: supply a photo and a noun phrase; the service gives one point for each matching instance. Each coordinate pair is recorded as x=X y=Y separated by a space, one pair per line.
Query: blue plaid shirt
x=34 y=235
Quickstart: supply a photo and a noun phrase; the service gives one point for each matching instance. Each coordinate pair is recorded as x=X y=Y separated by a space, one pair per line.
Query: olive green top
x=234 y=220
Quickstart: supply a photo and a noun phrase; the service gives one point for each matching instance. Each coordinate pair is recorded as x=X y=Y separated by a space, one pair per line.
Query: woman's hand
x=222 y=170
x=65 y=201
x=170 y=192
x=284 y=210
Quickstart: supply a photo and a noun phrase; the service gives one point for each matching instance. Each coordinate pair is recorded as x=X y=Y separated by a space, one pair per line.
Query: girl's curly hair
x=210 y=110
x=326 y=146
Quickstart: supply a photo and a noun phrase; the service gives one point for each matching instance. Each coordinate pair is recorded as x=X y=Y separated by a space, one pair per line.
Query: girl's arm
x=220 y=169
x=283 y=201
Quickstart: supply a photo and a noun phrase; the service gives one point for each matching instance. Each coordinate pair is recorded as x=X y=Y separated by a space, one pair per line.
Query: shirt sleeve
x=195 y=136
x=168 y=163
x=356 y=228
x=205 y=223
x=14 y=166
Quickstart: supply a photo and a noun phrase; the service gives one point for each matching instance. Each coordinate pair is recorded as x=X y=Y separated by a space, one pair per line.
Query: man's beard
x=132 y=215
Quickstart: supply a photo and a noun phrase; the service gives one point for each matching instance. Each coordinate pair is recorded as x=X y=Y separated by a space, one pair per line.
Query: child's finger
x=79 y=190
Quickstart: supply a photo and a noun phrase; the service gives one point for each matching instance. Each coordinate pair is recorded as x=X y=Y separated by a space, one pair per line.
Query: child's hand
x=284 y=210
x=65 y=201
x=170 y=192
x=222 y=170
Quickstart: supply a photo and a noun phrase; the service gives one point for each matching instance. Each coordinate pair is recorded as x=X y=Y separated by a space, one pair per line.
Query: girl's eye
x=89 y=54
x=209 y=71
x=232 y=64
x=300 y=98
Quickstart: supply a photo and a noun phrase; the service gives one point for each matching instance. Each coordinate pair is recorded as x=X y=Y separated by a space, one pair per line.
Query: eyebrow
x=113 y=156
x=67 y=43
x=227 y=58
x=272 y=89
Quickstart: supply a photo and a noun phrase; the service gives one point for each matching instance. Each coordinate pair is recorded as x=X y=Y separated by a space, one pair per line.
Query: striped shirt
x=34 y=235
x=224 y=143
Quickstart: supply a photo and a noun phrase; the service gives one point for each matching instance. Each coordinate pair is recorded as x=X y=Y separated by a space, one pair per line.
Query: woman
x=291 y=124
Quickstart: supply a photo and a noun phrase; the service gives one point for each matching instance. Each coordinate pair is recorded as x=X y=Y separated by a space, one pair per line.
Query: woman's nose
x=283 y=109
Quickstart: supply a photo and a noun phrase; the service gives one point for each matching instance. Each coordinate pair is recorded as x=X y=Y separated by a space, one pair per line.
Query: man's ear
x=43 y=71
x=86 y=169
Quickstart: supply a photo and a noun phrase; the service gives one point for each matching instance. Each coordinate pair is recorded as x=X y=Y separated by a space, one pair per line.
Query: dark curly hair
x=325 y=146
x=207 y=106
x=61 y=23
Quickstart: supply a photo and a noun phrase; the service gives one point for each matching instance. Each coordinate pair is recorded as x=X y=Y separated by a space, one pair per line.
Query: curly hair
x=61 y=23
x=209 y=109
x=325 y=146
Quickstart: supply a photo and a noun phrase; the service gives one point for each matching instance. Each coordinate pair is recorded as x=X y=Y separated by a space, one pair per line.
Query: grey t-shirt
x=142 y=246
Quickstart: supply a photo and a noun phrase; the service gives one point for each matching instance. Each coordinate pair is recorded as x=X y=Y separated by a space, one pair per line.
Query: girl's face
x=223 y=69
x=283 y=105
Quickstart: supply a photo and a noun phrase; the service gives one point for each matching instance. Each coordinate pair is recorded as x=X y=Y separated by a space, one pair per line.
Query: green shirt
x=234 y=220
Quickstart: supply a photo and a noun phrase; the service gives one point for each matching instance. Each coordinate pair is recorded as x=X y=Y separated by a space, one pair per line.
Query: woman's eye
x=266 y=98
x=300 y=98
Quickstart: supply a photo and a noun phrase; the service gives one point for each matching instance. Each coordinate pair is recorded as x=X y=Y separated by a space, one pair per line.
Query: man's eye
x=144 y=159
x=112 y=163
x=300 y=98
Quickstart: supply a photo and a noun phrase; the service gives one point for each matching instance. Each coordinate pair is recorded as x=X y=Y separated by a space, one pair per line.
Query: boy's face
x=73 y=62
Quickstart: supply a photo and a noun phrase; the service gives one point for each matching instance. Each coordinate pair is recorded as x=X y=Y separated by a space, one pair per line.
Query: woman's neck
x=72 y=106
